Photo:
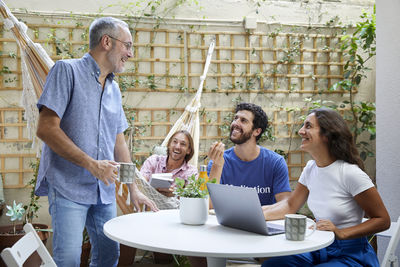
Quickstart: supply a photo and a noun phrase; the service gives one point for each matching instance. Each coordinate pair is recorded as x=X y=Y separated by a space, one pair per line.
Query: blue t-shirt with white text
x=268 y=174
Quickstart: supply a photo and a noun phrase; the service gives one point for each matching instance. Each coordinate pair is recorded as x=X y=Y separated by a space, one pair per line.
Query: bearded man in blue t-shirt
x=247 y=164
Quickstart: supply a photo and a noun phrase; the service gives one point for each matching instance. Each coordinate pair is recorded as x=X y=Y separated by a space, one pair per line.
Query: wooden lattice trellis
x=171 y=61
x=12 y=125
x=242 y=59
x=14 y=167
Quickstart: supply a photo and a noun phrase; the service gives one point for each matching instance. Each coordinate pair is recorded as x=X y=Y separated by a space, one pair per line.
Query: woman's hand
x=327 y=225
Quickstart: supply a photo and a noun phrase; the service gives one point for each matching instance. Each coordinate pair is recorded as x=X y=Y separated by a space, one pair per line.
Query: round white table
x=163 y=232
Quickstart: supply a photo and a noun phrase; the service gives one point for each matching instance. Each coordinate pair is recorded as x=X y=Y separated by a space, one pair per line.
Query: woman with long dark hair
x=338 y=192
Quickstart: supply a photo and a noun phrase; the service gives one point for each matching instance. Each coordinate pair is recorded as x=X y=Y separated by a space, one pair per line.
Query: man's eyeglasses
x=128 y=45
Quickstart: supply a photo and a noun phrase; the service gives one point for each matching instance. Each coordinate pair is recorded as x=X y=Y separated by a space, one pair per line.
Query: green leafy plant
x=33 y=206
x=194 y=188
x=16 y=212
x=181 y=261
x=360 y=47
x=26 y=213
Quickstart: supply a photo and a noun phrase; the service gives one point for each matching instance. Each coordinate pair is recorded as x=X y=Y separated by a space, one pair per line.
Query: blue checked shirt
x=91 y=118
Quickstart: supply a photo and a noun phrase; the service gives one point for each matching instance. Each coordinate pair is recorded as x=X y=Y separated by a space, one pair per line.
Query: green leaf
x=334 y=87
x=357 y=79
x=347 y=74
x=364 y=118
x=344 y=37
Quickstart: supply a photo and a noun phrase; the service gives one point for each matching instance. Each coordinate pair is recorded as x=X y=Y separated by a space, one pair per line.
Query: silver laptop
x=239 y=207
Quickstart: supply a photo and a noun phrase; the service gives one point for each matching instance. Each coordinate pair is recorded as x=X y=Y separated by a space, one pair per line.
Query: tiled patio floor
x=145 y=260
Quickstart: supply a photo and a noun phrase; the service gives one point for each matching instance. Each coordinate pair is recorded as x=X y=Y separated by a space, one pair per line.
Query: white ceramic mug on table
x=296 y=225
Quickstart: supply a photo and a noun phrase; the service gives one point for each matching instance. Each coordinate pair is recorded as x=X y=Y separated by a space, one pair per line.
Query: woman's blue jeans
x=69 y=220
x=341 y=253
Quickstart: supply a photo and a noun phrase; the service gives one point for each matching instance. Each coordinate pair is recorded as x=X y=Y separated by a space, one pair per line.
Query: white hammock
x=36 y=64
x=189 y=121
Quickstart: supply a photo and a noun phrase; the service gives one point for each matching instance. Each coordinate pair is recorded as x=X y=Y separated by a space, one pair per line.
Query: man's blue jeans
x=68 y=221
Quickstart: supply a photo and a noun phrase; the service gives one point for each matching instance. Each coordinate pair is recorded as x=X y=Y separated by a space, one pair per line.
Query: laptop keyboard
x=275 y=228
x=272 y=230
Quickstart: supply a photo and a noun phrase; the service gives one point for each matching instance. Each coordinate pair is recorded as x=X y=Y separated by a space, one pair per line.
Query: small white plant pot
x=193 y=211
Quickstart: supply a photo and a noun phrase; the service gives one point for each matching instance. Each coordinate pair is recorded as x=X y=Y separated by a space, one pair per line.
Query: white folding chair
x=390 y=259
x=26 y=246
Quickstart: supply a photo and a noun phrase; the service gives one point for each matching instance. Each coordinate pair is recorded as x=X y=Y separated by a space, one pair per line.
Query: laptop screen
x=238 y=207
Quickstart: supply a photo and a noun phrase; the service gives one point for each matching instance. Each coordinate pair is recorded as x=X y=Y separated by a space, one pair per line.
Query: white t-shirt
x=332 y=190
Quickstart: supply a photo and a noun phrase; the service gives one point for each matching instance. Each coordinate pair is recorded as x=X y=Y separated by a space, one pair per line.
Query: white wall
x=388 y=109
x=279 y=11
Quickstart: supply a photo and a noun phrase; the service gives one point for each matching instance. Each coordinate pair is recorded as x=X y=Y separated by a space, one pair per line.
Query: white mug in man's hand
x=126 y=172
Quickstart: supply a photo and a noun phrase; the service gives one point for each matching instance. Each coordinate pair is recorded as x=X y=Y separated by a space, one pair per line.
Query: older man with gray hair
x=82 y=123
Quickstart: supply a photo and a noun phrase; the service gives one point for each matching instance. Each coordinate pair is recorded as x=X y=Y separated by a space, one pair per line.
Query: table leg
x=216 y=262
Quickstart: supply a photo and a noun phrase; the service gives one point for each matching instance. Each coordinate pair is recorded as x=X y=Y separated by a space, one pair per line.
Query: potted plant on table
x=193 y=195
